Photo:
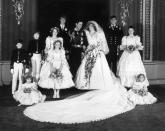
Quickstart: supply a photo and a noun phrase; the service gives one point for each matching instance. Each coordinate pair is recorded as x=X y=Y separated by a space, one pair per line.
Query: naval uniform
x=78 y=45
x=19 y=61
x=114 y=35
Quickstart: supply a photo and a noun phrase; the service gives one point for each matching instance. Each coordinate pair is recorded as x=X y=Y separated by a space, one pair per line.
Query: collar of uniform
x=113 y=26
x=62 y=26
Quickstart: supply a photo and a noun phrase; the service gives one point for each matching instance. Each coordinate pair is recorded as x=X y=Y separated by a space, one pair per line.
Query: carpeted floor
x=142 y=118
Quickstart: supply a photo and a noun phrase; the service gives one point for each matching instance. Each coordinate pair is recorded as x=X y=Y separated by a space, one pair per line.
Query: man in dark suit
x=114 y=35
x=64 y=33
x=35 y=52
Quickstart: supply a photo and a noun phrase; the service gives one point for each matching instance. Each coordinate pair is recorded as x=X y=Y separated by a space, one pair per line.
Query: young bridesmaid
x=28 y=93
x=55 y=73
x=139 y=93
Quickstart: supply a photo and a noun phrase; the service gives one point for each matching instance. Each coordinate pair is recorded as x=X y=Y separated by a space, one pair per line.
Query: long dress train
x=92 y=106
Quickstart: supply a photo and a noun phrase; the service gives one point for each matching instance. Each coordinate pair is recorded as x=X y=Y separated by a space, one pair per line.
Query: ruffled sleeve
x=124 y=40
x=138 y=41
x=103 y=43
x=50 y=56
x=48 y=44
x=123 y=43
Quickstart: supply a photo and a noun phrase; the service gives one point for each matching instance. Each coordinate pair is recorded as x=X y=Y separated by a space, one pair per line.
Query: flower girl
x=130 y=63
x=139 y=93
x=28 y=93
x=55 y=72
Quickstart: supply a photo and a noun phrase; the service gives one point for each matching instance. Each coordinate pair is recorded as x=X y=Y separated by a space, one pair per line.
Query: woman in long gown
x=130 y=63
x=111 y=98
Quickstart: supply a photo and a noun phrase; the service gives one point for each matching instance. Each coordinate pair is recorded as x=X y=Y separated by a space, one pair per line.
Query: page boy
x=19 y=62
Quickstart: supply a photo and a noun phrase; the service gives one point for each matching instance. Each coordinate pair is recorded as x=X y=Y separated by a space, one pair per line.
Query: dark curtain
x=132 y=17
x=11 y=31
x=159 y=30
x=50 y=11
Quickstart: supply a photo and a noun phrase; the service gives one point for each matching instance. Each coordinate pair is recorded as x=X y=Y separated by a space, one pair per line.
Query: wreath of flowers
x=91 y=55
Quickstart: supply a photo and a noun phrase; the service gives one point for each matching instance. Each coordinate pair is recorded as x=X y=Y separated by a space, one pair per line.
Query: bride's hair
x=90 y=24
x=100 y=34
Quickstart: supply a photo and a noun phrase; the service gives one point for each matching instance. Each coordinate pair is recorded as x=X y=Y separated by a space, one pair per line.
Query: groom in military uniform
x=78 y=44
x=114 y=35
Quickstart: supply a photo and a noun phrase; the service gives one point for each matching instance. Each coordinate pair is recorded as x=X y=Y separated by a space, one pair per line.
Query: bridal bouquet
x=91 y=56
x=92 y=50
x=27 y=90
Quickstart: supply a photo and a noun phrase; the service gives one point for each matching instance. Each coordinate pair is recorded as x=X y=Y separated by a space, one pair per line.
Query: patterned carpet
x=142 y=118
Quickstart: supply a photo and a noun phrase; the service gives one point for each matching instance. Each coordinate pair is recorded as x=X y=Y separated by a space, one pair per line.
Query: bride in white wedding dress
x=108 y=100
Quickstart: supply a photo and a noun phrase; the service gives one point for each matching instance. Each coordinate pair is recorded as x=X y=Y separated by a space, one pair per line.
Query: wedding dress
x=94 y=72
x=94 y=105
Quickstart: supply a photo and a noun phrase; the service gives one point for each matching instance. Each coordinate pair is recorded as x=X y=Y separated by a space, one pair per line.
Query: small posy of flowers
x=131 y=48
x=56 y=74
x=141 y=92
x=27 y=90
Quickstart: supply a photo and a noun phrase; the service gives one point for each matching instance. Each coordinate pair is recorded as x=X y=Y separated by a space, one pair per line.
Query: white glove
x=26 y=70
x=12 y=71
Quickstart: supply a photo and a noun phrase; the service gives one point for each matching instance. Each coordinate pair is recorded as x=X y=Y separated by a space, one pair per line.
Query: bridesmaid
x=130 y=63
x=51 y=39
x=55 y=72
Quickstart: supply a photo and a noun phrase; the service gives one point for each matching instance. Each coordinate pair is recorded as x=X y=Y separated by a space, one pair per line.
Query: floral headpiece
x=53 y=28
